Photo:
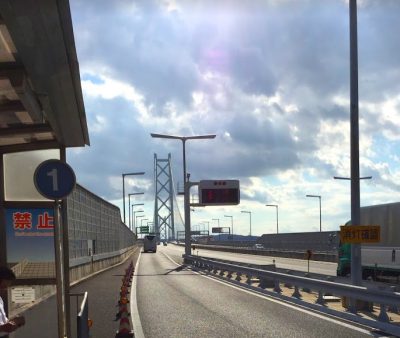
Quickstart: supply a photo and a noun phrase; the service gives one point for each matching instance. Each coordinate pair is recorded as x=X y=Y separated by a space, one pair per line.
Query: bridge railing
x=271 y=279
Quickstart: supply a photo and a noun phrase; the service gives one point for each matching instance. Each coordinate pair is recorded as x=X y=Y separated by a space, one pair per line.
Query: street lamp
x=231 y=217
x=319 y=197
x=208 y=226
x=186 y=196
x=219 y=234
x=129 y=203
x=247 y=212
x=183 y=139
x=138 y=216
x=134 y=213
x=123 y=188
x=277 y=222
x=143 y=219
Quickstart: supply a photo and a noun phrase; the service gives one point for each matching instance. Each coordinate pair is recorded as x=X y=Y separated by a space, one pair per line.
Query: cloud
x=269 y=78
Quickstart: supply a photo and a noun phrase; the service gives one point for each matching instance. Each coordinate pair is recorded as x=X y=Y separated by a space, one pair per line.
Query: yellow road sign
x=360 y=233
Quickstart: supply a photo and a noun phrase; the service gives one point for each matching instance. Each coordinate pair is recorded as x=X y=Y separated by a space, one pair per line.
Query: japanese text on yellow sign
x=360 y=234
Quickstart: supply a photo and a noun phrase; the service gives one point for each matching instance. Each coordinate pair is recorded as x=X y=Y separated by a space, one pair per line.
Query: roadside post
x=55 y=180
x=309 y=254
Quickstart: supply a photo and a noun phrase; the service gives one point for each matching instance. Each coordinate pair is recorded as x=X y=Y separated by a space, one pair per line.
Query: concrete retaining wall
x=86 y=266
x=316 y=241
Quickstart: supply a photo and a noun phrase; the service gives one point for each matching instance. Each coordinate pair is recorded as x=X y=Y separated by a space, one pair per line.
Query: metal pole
x=320 y=222
x=123 y=189
x=186 y=187
x=61 y=306
x=129 y=209
x=123 y=194
x=356 y=276
x=231 y=217
x=187 y=212
x=131 y=219
x=186 y=201
x=65 y=253
x=250 y=222
x=184 y=163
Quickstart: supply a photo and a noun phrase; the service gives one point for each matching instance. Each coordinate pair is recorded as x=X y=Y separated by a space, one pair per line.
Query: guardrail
x=271 y=279
x=317 y=256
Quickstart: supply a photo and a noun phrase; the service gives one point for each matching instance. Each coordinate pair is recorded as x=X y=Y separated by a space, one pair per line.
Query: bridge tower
x=164 y=199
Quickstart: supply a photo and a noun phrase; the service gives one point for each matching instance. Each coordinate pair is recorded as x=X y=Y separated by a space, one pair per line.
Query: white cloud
x=270 y=78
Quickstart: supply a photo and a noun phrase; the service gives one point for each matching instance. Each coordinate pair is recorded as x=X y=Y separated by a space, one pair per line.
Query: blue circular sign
x=54 y=179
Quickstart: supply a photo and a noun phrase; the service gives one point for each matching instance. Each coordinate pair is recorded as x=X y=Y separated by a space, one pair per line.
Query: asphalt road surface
x=319 y=267
x=175 y=302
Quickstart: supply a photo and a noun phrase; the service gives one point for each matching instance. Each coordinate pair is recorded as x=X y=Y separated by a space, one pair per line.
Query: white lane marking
x=136 y=322
x=279 y=302
x=167 y=256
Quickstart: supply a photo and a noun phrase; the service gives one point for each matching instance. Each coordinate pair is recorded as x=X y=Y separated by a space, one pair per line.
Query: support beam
x=19 y=81
x=11 y=107
x=28 y=129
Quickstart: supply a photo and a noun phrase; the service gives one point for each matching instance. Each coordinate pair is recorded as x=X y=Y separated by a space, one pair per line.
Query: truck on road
x=150 y=243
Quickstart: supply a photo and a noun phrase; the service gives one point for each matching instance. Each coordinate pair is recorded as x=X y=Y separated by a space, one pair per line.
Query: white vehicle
x=150 y=243
x=258 y=246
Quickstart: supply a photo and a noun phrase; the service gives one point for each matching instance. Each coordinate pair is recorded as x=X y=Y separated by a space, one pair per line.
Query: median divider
x=317 y=256
x=124 y=330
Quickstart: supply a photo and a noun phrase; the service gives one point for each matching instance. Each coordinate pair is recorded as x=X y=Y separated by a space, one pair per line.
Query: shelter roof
x=41 y=102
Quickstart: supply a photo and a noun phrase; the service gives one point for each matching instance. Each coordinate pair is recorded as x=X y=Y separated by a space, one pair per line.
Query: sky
x=269 y=77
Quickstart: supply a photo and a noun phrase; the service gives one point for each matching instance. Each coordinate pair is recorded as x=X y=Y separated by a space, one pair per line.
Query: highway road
x=325 y=268
x=173 y=301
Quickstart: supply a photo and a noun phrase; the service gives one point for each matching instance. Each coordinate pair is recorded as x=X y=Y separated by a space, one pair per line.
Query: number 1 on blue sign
x=53 y=174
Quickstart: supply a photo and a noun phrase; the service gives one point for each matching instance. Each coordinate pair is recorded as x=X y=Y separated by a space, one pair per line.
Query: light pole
x=356 y=273
x=143 y=219
x=247 y=212
x=277 y=222
x=186 y=196
x=231 y=217
x=138 y=216
x=219 y=234
x=319 y=197
x=208 y=226
x=134 y=212
x=123 y=188
x=129 y=203
x=136 y=222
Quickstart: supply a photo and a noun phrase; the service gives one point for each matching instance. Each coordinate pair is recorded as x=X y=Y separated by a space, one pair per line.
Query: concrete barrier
x=86 y=266
x=316 y=256
x=79 y=269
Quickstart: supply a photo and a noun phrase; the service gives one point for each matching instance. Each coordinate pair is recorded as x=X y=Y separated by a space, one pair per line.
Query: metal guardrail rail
x=330 y=256
x=273 y=279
